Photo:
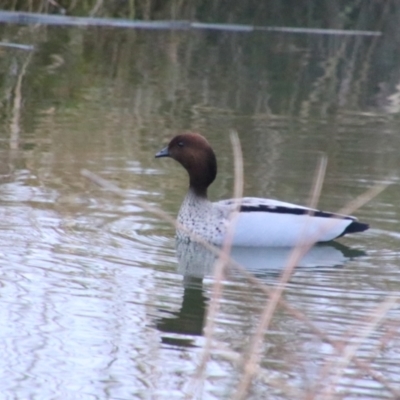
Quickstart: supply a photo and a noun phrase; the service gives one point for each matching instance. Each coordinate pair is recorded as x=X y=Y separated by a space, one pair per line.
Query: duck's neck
x=198 y=191
x=202 y=172
x=193 y=197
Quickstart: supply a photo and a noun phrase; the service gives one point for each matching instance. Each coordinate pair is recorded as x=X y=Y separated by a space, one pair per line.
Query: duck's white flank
x=259 y=222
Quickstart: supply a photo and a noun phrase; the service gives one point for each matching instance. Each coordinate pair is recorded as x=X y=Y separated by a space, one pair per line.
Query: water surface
x=97 y=300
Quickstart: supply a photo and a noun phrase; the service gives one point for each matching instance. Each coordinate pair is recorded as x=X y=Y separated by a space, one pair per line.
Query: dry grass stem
x=349 y=351
x=96 y=8
x=15 y=128
x=279 y=384
x=220 y=265
x=99 y=181
x=366 y=197
x=319 y=176
x=253 y=358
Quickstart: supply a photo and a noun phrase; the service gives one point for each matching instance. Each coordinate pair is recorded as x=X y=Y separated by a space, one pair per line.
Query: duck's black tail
x=354 y=227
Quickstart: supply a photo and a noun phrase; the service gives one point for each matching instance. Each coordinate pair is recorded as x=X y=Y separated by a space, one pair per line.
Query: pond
x=96 y=299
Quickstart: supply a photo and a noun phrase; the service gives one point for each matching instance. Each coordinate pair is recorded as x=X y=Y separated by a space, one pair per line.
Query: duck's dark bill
x=163 y=153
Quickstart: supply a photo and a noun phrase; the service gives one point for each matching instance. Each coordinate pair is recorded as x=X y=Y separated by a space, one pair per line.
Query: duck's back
x=273 y=223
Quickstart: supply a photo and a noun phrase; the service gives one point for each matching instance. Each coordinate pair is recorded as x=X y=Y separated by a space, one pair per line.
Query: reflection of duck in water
x=189 y=320
x=195 y=260
x=260 y=222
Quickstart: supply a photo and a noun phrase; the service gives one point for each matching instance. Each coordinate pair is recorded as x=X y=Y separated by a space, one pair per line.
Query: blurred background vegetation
x=349 y=66
x=170 y=80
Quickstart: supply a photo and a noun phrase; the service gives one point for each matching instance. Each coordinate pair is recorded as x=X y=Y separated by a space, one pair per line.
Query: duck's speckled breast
x=204 y=218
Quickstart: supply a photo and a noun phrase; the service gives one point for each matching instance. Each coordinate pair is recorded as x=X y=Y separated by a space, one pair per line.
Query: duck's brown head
x=195 y=154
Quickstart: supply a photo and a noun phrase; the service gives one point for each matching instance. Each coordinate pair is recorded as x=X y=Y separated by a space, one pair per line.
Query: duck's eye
x=181 y=144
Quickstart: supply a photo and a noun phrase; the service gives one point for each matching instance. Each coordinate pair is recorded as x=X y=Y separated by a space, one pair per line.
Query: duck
x=257 y=222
